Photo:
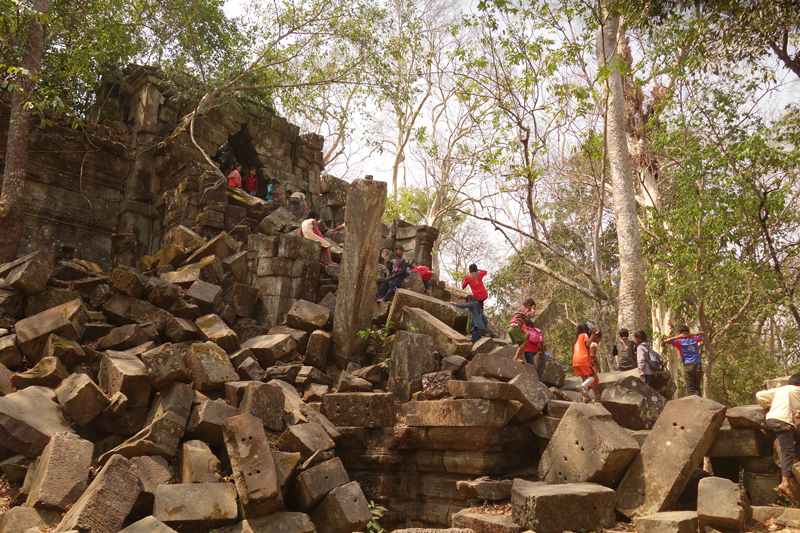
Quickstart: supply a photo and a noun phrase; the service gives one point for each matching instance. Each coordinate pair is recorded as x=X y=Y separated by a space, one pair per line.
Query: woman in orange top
x=583 y=363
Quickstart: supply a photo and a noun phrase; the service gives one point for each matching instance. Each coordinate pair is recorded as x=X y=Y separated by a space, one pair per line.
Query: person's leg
x=649 y=380
x=393 y=286
x=480 y=303
x=427 y=285
x=382 y=290
x=596 y=387
x=530 y=357
x=785 y=435
x=698 y=379
x=330 y=257
x=476 y=335
x=586 y=382
x=688 y=378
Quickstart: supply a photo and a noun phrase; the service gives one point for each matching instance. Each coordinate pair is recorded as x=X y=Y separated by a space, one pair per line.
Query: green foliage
x=378 y=512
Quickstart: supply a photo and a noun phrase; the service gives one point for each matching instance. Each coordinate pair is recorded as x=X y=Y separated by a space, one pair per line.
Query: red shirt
x=475 y=282
x=250 y=183
x=531 y=346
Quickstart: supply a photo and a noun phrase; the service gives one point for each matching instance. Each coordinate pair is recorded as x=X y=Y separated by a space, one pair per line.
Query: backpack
x=654 y=360
x=424 y=272
x=535 y=335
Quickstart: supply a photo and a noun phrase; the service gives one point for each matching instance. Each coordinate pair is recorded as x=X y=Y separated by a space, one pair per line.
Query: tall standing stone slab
x=253 y=467
x=108 y=500
x=588 y=446
x=446 y=340
x=366 y=201
x=62 y=472
x=414 y=356
x=674 y=449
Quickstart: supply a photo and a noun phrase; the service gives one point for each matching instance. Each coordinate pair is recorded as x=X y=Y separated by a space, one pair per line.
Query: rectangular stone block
x=81 y=398
x=668 y=522
x=62 y=473
x=446 y=340
x=362 y=409
x=209 y=366
x=470 y=520
x=413 y=356
x=445 y=312
x=464 y=412
x=496 y=367
x=125 y=373
x=104 y=506
x=674 y=449
x=588 y=446
x=736 y=443
x=268 y=349
x=307 y=439
x=67 y=320
x=266 y=402
x=312 y=485
x=557 y=508
x=343 y=510
x=205 y=422
x=197 y=506
x=253 y=467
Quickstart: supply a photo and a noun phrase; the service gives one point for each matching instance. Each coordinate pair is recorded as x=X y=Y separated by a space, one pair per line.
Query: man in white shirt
x=784 y=410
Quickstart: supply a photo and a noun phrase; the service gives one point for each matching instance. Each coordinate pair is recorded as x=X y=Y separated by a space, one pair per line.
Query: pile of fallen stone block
x=157 y=402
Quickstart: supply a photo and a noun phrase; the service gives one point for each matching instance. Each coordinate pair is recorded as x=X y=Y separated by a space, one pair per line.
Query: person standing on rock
x=584 y=365
x=250 y=183
x=478 y=320
x=310 y=230
x=295 y=199
x=646 y=374
x=235 y=177
x=784 y=410
x=521 y=318
x=625 y=351
x=688 y=344
x=397 y=273
x=475 y=281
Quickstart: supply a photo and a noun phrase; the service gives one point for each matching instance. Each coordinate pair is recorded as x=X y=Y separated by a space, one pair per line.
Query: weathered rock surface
x=557 y=508
x=460 y=412
x=632 y=404
x=197 y=506
x=62 y=473
x=722 y=504
x=29 y=418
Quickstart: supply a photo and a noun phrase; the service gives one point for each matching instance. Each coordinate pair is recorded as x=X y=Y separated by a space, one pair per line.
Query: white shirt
x=780 y=402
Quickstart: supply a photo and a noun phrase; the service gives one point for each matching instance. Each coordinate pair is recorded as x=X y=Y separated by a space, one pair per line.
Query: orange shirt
x=581 y=357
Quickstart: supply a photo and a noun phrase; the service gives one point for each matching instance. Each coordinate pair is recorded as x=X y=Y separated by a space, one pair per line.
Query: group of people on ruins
x=249 y=184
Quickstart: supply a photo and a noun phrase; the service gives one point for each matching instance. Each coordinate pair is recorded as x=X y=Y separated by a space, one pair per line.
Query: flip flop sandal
x=784 y=495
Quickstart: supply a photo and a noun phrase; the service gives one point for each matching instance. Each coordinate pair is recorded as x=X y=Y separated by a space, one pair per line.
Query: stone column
x=366 y=200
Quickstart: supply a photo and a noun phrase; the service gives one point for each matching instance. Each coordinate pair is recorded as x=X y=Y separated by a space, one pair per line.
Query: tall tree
x=632 y=297
x=24 y=84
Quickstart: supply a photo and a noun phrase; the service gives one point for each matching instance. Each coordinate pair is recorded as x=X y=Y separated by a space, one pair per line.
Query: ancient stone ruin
x=173 y=357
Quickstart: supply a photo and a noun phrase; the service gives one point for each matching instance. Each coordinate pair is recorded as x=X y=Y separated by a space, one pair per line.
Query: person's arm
x=765 y=397
x=699 y=337
x=614 y=350
x=305 y=204
x=667 y=341
x=464 y=284
x=640 y=360
x=481 y=274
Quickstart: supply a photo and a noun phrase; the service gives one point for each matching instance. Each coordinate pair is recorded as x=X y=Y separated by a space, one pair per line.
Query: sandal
x=784 y=494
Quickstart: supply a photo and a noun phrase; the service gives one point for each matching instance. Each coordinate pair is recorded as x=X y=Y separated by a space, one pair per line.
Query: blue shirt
x=689 y=348
x=478 y=319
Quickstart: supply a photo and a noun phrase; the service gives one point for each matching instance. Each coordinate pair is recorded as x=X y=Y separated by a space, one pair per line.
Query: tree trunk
x=632 y=303
x=12 y=197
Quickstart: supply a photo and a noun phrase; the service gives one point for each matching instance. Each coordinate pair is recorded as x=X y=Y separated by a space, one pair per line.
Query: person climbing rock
x=310 y=230
x=784 y=410
x=478 y=320
x=475 y=281
x=397 y=273
x=522 y=317
x=584 y=365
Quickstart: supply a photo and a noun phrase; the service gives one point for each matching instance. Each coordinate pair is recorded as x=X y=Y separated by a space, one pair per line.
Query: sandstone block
x=473 y=521
x=197 y=506
x=307 y=439
x=299 y=336
x=29 y=418
x=736 y=443
x=213 y=329
x=319 y=343
x=164 y=366
x=689 y=425
x=350 y=383
x=668 y=522
x=148 y=524
x=122 y=310
x=436 y=384
x=104 y=506
x=30 y=278
x=370 y=410
x=208 y=366
x=744 y=416
x=69 y=352
x=307 y=316
x=161 y=293
x=62 y=473
x=588 y=446
x=343 y=510
x=446 y=340
x=153 y=471
x=312 y=485
x=48 y=372
x=126 y=282
x=632 y=404
x=206 y=296
x=531 y=393
x=557 y=508
x=10 y=354
x=199 y=464
x=123 y=338
x=442 y=310
x=182 y=330
x=280 y=522
x=550 y=372
x=250 y=370
x=500 y=368
x=220 y=246
x=177 y=398
x=81 y=399
x=722 y=504
x=286 y=465
x=414 y=355
x=462 y=412
x=22 y=519
x=309 y=375
x=485 y=489
x=67 y=320
x=253 y=467
x=242 y=300
x=160 y=438
x=205 y=422
x=266 y=402
x=268 y=349
x=125 y=373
